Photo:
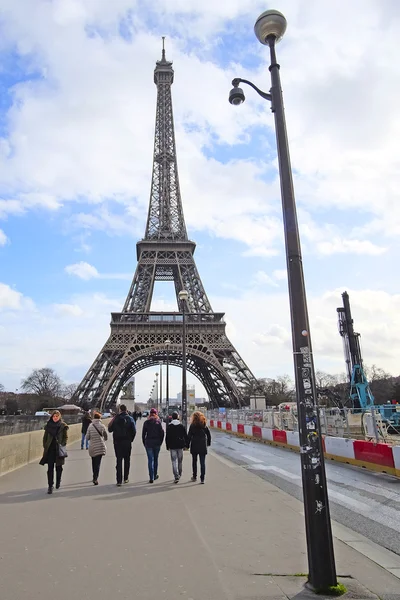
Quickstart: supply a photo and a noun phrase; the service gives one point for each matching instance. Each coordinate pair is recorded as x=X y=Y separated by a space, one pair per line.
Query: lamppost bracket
x=265 y=95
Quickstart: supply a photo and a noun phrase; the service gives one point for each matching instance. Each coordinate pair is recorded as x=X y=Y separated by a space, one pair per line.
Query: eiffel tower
x=138 y=335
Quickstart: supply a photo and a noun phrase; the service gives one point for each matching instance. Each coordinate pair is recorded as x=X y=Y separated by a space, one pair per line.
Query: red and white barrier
x=293 y=438
x=396 y=458
x=336 y=446
x=374 y=456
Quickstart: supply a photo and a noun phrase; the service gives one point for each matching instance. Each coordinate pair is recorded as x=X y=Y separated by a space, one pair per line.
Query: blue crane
x=360 y=392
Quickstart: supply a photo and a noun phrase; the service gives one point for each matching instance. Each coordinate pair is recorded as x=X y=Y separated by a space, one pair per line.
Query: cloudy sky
x=77 y=109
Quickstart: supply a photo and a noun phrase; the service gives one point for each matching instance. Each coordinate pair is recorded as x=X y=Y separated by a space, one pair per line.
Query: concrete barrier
x=20 y=449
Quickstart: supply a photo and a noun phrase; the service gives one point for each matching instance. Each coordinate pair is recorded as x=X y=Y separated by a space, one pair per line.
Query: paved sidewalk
x=218 y=541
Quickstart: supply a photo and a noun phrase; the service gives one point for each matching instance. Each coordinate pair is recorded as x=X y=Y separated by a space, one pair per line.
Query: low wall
x=379 y=457
x=22 y=448
x=11 y=424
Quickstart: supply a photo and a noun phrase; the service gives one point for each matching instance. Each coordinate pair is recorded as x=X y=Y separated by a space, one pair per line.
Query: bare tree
x=68 y=390
x=2 y=388
x=44 y=382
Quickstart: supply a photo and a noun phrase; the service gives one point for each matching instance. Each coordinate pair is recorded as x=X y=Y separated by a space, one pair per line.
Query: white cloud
x=3 y=238
x=280 y=274
x=344 y=246
x=83 y=270
x=261 y=278
x=68 y=309
x=12 y=300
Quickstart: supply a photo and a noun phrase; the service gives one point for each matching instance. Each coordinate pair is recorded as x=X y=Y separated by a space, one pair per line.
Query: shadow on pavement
x=101 y=492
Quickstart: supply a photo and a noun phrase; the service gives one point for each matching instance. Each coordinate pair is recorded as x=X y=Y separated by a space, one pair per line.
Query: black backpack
x=122 y=429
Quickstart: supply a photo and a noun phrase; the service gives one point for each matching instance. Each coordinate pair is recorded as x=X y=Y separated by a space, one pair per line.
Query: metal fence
x=345 y=423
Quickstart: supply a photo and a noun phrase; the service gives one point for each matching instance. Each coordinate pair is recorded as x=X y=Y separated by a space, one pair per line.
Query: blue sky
x=77 y=109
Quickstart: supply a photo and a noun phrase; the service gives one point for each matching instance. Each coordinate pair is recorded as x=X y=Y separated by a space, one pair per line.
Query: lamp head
x=270 y=23
x=167 y=342
x=183 y=295
x=236 y=96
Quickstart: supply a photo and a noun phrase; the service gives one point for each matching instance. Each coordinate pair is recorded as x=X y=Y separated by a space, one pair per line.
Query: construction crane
x=360 y=392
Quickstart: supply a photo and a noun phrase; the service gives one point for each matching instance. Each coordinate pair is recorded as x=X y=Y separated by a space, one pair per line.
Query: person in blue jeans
x=152 y=438
x=86 y=420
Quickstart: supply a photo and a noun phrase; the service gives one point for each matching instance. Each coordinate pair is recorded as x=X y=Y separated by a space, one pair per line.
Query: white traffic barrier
x=267 y=434
x=223 y=425
x=248 y=430
x=339 y=447
x=234 y=427
x=396 y=458
x=293 y=438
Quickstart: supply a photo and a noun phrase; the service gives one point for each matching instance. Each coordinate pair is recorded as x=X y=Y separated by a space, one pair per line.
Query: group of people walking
x=123 y=428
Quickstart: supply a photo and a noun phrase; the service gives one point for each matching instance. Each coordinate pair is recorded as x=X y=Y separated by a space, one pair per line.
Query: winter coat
x=123 y=428
x=152 y=433
x=176 y=436
x=86 y=420
x=51 y=443
x=199 y=438
x=96 y=435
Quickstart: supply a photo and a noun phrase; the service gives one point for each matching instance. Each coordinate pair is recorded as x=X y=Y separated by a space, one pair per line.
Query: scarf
x=53 y=428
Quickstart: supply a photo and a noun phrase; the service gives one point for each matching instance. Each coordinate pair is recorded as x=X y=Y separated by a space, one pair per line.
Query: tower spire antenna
x=163 y=48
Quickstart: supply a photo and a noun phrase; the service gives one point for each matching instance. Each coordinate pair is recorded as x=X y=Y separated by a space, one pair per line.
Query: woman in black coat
x=199 y=439
x=55 y=435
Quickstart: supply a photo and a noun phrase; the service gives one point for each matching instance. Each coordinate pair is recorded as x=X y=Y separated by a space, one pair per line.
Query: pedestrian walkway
x=225 y=540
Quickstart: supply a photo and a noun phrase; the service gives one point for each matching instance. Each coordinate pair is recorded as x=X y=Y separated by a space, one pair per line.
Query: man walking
x=176 y=440
x=86 y=420
x=152 y=438
x=123 y=429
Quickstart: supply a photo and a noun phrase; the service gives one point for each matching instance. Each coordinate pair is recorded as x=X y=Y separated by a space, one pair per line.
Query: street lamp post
x=183 y=297
x=156 y=384
x=161 y=390
x=269 y=29
x=167 y=344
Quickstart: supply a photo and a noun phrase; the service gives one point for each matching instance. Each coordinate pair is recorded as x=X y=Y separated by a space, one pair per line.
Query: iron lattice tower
x=138 y=335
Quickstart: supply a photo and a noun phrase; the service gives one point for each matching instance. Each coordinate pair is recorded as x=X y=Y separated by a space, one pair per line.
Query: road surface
x=366 y=502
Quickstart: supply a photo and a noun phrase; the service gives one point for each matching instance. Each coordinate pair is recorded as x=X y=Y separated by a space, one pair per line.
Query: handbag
x=62 y=451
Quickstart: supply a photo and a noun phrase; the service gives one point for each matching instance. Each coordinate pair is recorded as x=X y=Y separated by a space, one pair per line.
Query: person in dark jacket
x=199 y=439
x=152 y=438
x=55 y=435
x=176 y=440
x=86 y=420
x=123 y=429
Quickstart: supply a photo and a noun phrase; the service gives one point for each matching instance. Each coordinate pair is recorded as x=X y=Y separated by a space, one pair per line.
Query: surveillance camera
x=236 y=96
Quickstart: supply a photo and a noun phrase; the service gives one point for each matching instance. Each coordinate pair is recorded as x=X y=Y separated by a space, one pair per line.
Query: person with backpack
x=152 y=438
x=123 y=429
x=97 y=435
x=176 y=440
x=199 y=439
